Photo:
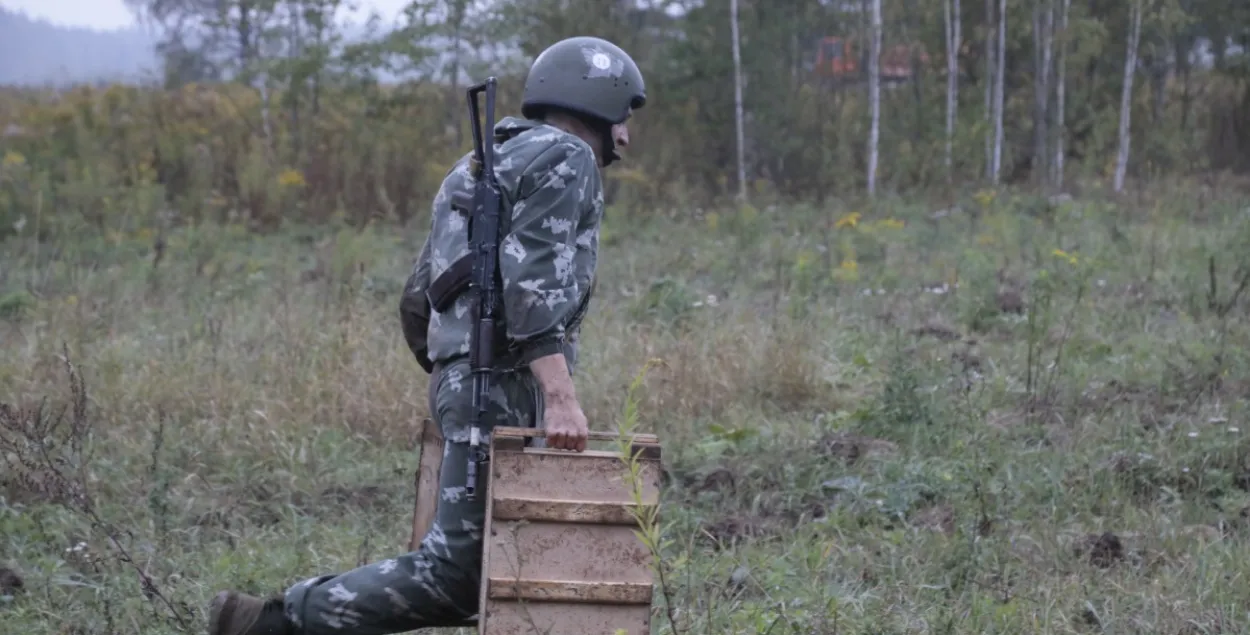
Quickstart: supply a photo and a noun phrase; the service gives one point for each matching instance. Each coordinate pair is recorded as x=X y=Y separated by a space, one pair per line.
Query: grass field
x=1012 y=415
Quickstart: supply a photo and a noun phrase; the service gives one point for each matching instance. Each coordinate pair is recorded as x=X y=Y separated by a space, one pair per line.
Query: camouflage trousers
x=436 y=585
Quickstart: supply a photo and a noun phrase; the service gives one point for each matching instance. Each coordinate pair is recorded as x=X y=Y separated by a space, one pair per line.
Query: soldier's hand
x=566 y=426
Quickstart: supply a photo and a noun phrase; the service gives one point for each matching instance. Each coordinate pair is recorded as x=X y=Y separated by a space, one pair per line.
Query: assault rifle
x=484 y=248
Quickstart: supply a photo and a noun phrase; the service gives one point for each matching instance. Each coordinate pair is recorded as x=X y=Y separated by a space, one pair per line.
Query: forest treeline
x=267 y=110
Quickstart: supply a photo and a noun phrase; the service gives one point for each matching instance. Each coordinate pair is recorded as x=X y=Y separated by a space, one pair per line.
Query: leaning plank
x=426 y=504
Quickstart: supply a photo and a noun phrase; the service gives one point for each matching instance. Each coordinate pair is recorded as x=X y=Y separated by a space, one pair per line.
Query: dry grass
x=849 y=450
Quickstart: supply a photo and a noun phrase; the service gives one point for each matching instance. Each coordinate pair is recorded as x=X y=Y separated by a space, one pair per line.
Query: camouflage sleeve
x=414 y=309
x=540 y=284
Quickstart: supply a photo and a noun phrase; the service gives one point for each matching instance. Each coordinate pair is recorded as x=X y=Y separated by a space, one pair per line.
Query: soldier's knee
x=463 y=586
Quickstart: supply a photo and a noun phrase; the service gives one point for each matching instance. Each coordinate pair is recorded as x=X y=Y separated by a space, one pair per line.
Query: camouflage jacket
x=552 y=192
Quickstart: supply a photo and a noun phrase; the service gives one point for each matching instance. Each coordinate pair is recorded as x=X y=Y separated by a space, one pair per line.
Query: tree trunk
x=1043 y=37
x=459 y=12
x=998 y=91
x=1060 y=94
x=738 y=115
x=952 y=81
x=874 y=96
x=990 y=51
x=1126 y=95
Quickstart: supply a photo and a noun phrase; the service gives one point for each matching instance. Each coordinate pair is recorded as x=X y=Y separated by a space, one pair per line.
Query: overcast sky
x=111 y=14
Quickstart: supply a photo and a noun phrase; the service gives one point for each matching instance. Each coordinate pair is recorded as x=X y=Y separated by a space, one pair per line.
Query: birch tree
x=1043 y=48
x=999 y=83
x=874 y=95
x=990 y=64
x=952 y=79
x=1126 y=94
x=1061 y=79
x=738 y=116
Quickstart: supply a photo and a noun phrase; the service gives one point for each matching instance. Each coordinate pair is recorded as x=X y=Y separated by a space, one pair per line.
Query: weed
x=866 y=459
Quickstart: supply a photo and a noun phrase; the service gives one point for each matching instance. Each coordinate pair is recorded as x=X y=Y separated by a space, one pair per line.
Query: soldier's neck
x=575 y=126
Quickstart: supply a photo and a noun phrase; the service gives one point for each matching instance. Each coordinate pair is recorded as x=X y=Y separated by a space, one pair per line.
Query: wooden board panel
x=559 y=618
x=592 y=477
x=568 y=552
x=564 y=511
x=562 y=552
x=431 y=463
x=584 y=592
x=593 y=435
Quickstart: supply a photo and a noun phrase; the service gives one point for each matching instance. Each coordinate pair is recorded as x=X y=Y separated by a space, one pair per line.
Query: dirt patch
x=852 y=447
x=1009 y=300
x=935 y=327
x=366 y=497
x=720 y=479
x=1101 y=550
x=778 y=514
x=808 y=509
x=10 y=582
x=939 y=518
x=335 y=499
x=731 y=530
x=1149 y=401
x=1215 y=622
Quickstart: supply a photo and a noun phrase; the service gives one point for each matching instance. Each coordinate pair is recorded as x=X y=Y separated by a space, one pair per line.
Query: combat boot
x=233 y=613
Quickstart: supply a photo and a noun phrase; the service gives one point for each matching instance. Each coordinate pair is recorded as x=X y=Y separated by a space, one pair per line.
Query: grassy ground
x=1009 y=416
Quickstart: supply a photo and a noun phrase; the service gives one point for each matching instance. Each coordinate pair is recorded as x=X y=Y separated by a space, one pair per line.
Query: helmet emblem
x=602 y=63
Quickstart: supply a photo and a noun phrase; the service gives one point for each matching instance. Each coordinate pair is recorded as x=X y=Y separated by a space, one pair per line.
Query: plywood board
x=561 y=552
x=431 y=463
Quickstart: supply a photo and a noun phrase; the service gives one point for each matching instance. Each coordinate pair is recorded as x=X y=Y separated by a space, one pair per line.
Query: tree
x=874 y=95
x=738 y=124
x=953 y=44
x=1126 y=93
x=999 y=90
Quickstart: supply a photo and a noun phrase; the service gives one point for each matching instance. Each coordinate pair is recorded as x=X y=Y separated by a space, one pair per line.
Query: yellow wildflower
x=850 y=220
x=984 y=197
x=747 y=213
x=1059 y=253
x=804 y=260
x=12 y=158
x=848 y=270
x=291 y=178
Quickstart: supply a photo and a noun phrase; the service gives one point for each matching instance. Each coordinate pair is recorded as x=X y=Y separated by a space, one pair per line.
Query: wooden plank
x=535 y=509
x=431 y=463
x=559 y=618
x=512 y=431
x=573 y=552
x=561 y=553
x=614 y=593
x=571 y=476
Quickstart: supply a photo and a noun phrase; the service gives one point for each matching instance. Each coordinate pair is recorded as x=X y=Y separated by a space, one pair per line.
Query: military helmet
x=586 y=75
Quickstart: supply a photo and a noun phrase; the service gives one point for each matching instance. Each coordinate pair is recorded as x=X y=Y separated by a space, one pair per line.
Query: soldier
x=579 y=94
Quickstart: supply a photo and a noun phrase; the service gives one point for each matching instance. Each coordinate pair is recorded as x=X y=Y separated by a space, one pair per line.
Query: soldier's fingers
x=557 y=440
